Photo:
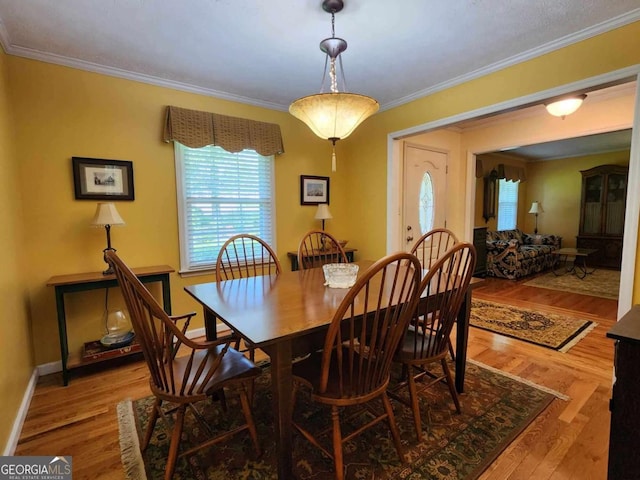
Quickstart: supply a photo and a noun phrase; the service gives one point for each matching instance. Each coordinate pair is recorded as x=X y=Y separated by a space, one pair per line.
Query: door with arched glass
x=425 y=184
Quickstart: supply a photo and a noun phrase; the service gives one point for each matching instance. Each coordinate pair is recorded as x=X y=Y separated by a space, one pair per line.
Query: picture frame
x=314 y=190
x=102 y=179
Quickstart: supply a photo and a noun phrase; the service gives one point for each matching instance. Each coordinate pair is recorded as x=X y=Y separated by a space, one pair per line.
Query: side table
x=579 y=266
x=293 y=257
x=80 y=282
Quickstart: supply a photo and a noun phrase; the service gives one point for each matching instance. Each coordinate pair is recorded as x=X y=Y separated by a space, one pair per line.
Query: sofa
x=513 y=254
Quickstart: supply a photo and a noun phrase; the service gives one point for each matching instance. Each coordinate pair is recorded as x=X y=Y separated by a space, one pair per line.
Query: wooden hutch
x=602 y=207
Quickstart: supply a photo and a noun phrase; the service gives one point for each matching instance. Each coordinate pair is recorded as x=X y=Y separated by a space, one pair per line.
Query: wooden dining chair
x=243 y=256
x=353 y=367
x=246 y=255
x=432 y=245
x=429 y=248
x=442 y=292
x=205 y=369
x=318 y=248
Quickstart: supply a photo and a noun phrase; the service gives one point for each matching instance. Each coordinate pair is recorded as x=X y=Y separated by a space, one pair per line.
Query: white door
x=425 y=186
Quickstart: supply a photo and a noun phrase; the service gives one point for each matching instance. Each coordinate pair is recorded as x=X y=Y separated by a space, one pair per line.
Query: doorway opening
x=464 y=179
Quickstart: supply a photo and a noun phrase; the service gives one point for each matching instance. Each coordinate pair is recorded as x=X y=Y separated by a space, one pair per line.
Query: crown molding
x=598 y=29
x=565 y=41
x=128 y=75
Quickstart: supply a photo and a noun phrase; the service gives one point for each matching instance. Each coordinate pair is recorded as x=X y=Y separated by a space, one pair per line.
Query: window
x=221 y=194
x=426 y=206
x=507 y=204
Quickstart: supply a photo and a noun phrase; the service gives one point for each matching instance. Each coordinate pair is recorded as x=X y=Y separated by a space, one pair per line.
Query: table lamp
x=536 y=208
x=107 y=215
x=323 y=213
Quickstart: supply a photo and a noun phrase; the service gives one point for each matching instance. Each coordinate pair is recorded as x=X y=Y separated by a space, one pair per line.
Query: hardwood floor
x=567 y=441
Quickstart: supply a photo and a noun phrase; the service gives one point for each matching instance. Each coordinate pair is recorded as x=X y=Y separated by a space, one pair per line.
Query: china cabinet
x=604 y=193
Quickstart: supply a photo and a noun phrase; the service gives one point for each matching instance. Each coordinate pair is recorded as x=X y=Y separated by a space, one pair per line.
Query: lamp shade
x=536 y=208
x=565 y=106
x=333 y=116
x=107 y=214
x=323 y=212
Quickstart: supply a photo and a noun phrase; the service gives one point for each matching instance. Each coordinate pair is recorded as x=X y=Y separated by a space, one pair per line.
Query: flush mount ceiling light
x=565 y=106
x=333 y=115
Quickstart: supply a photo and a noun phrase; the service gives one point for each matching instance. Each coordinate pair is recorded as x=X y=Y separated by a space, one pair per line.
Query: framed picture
x=314 y=190
x=98 y=179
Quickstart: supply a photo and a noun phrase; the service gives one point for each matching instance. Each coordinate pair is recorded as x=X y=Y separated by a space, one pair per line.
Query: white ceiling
x=576 y=147
x=266 y=53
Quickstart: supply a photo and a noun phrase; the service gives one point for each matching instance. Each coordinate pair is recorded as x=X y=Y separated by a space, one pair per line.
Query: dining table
x=285 y=316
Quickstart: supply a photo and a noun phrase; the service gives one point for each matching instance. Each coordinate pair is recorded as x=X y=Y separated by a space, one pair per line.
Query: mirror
x=489 y=199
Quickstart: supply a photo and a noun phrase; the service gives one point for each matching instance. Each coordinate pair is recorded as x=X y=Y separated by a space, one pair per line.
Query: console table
x=293 y=256
x=80 y=282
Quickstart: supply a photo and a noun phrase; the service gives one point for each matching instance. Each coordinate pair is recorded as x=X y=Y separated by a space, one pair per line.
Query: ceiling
x=266 y=53
x=575 y=147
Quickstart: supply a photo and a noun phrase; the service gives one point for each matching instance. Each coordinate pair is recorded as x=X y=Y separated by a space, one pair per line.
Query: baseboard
x=49 y=368
x=12 y=443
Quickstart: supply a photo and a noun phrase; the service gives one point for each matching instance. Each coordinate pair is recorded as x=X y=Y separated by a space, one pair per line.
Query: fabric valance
x=511 y=172
x=506 y=171
x=197 y=129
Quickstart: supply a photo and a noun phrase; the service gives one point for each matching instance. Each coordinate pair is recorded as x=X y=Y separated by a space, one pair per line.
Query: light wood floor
x=567 y=441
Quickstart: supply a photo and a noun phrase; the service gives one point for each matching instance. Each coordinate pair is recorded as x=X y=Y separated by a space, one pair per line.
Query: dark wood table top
x=274 y=313
x=267 y=309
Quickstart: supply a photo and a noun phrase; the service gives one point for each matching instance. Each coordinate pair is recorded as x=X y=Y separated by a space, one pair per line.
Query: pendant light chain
x=333 y=115
x=332 y=66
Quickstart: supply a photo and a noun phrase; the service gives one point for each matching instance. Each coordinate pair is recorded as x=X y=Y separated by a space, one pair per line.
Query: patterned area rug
x=550 y=330
x=495 y=409
x=601 y=283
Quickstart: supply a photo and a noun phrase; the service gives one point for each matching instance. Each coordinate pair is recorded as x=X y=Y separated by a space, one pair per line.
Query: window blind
x=507 y=204
x=221 y=194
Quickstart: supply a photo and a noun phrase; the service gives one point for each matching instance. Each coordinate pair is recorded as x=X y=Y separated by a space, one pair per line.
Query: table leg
x=583 y=270
x=462 y=337
x=560 y=263
x=210 y=324
x=282 y=386
x=166 y=293
x=62 y=332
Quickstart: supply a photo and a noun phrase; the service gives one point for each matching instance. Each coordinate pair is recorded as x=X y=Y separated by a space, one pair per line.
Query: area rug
x=550 y=330
x=495 y=410
x=601 y=283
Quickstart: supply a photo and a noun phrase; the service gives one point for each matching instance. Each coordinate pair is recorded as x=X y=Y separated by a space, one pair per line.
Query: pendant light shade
x=333 y=115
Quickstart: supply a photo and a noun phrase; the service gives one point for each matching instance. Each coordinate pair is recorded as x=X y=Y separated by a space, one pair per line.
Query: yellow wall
x=61 y=112
x=16 y=350
x=557 y=186
x=367 y=147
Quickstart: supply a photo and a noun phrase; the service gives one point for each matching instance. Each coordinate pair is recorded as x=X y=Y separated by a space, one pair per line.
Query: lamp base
x=109 y=270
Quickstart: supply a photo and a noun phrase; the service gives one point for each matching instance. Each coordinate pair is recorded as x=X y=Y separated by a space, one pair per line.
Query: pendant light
x=333 y=115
